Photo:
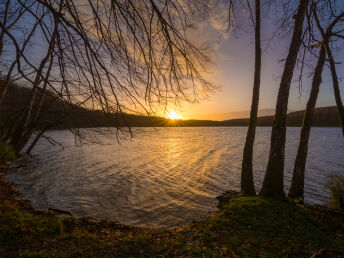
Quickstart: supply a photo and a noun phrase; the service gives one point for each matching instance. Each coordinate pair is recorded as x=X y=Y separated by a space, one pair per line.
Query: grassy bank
x=244 y=227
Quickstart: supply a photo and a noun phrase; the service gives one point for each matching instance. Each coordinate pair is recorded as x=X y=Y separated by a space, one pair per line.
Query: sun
x=173 y=115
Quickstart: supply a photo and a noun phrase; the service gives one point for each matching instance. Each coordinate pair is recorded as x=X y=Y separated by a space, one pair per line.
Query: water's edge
x=165 y=177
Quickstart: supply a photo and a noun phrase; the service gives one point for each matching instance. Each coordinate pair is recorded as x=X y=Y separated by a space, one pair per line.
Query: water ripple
x=164 y=177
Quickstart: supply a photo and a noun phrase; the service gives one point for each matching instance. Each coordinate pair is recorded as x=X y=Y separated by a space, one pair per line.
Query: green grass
x=19 y=228
x=336 y=188
x=254 y=226
x=23 y=233
x=7 y=153
x=245 y=227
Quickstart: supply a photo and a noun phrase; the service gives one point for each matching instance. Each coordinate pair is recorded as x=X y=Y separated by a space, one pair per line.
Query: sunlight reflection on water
x=164 y=176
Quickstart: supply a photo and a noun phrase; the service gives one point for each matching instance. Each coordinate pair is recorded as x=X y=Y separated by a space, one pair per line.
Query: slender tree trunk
x=40 y=134
x=34 y=142
x=273 y=181
x=332 y=63
x=26 y=118
x=36 y=113
x=2 y=33
x=297 y=185
x=336 y=87
x=247 y=183
x=20 y=136
x=14 y=63
x=3 y=90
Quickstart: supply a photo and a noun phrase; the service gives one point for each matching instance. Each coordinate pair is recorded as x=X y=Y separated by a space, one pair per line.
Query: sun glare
x=173 y=115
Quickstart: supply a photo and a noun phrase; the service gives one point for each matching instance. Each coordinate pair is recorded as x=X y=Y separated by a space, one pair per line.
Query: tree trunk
x=36 y=113
x=34 y=142
x=297 y=185
x=332 y=63
x=6 y=84
x=273 y=181
x=247 y=183
x=18 y=135
x=4 y=21
x=15 y=62
x=40 y=134
x=21 y=136
x=2 y=35
x=336 y=87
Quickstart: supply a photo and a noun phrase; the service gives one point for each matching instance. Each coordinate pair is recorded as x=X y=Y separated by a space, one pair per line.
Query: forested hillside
x=59 y=114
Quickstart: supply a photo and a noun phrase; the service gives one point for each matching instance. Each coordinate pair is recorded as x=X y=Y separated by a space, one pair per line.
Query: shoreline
x=240 y=219
x=10 y=196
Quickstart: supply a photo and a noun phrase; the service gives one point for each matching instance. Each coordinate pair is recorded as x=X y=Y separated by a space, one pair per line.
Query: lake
x=163 y=177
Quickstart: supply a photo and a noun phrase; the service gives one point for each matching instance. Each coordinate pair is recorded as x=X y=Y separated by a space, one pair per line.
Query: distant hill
x=229 y=115
x=17 y=96
x=323 y=117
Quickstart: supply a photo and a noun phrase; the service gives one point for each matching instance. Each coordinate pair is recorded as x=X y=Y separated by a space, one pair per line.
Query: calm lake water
x=164 y=176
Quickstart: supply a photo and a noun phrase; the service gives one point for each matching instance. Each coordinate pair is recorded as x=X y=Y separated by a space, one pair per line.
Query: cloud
x=219 y=16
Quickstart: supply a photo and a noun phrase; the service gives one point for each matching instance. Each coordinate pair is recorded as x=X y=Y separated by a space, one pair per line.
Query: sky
x=234 y=68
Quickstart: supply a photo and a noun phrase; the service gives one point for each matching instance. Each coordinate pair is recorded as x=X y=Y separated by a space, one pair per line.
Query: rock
x=225 y=197
x=88 y=220
x=60 y=212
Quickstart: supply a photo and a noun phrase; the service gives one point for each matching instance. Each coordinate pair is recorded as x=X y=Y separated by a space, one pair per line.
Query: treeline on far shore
x=58 y=114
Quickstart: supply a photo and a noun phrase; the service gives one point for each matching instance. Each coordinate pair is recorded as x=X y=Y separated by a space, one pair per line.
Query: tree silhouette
x=273 y=180
x=114 y=56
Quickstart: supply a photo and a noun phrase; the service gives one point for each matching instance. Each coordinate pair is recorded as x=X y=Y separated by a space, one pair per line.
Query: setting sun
x=167 y=130
x=173 y=115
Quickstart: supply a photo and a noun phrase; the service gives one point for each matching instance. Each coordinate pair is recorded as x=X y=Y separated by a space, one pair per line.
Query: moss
x=7 y=153
x=69 y=223
x=336 y=187
x=17 y=225
x=245 y=227
x=261 y=227
x=276 y=227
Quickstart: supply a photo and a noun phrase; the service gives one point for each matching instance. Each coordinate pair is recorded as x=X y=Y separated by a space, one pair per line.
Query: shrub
x=336 y=188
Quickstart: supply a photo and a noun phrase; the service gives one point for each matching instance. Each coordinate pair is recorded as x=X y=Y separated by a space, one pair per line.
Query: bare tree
x=332 y=67
x=24 y=130
x=10 y=14
x=297 y=186
x=115 y=56
x=247 y=183
x=273 y=181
